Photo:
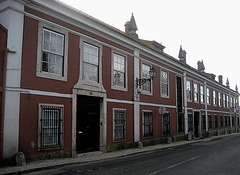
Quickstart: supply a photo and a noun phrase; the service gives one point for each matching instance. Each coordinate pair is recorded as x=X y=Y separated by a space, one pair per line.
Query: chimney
x=220 y=79
x=201 y=67
x=126 y=27
x=182 y=55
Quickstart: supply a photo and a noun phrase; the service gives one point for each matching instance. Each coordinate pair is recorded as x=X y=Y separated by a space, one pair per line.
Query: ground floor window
x=190 y=122
x=216 y=121
x=119 y=124
x=209 y=121
x=180 y=122
x=166 y=123
x=221 y=121
x=225 y=121
x=51 y=126
x=203 y=122
x=147 y=124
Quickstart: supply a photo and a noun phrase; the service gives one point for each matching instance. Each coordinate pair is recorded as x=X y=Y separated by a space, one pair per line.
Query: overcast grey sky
x=208 y=30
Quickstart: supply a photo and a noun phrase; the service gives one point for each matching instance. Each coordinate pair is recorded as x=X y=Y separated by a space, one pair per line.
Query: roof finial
x=133 y=28
x=227 y=83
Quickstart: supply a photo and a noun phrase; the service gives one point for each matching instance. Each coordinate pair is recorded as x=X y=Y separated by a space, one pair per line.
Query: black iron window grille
x=51 y=127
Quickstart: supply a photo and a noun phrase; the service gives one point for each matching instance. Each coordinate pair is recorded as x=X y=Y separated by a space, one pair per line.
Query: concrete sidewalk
x=94 y=156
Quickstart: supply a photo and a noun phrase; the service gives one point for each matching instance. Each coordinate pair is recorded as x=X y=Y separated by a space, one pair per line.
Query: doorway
x=88 y=124
x=196 y=124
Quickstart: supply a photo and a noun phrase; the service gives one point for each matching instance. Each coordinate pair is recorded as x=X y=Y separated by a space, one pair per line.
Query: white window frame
x=214 y=98
x=116 y=87
x=164 y=95
x=189 y=92
x=219 y=99
x=147 y=111
x=228 y=101
x=39 y=72
x=89 y=83
x=202 y=94
x=208 y=96
x=151 y=82
x=196 y=93
x=114 y=125
x=61 y=118
x=224 y=100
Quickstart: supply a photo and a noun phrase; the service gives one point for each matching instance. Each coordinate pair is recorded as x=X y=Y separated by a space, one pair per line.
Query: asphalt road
x=215 y=157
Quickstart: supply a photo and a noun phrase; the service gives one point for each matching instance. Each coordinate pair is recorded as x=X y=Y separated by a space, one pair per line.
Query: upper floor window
x=52 y=52
x=119 y=71
x=145 y=75
x=227 y=101
x=214 y=98
x=90 y=62
x=224 y=101
x=164 y=84
x=202 y=94
x=219 y=99
x=208 y=96
x=189 y=90
x=196 y=93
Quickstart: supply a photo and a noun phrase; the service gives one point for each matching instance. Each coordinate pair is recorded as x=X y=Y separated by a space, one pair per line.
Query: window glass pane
x=145 y=75
x=52 y=54
x=119 y=122
x=119 y=78
x=90 y=62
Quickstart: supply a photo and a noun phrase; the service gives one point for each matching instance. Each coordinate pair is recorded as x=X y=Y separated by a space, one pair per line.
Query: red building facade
x=71 y=87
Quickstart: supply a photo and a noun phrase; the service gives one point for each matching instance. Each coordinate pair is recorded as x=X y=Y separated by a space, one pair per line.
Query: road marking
x=175 y=165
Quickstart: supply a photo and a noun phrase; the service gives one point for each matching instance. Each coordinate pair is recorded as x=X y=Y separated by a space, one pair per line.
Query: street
x=215 y=157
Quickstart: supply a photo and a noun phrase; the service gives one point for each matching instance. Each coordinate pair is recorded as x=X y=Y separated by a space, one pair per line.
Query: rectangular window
x=219 y=99
x=229 y=122
x=52 y=52
x=227 y=101
x=166 y=123
x=202 y=94
x=164 y=84
x=190 y=122
x=214 y=98
x=224 y=101
x=180 y=122
x=208 y=96
x=225 y=121
x=90 y=62
x=51 y=126
x=216 y=121
x=189 y=91
x=147 y=124
x=145 y=75
x=119 y=124
x=203 y=122
x=209 y=121
x=119 y=70
x=221 y=121
x=196 y=93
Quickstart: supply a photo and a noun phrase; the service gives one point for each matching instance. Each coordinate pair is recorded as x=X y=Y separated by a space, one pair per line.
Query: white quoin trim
x=12 y=19
x=136 y=98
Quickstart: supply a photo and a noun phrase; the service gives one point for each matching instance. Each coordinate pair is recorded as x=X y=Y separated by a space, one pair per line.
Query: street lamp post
x=152 y=74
